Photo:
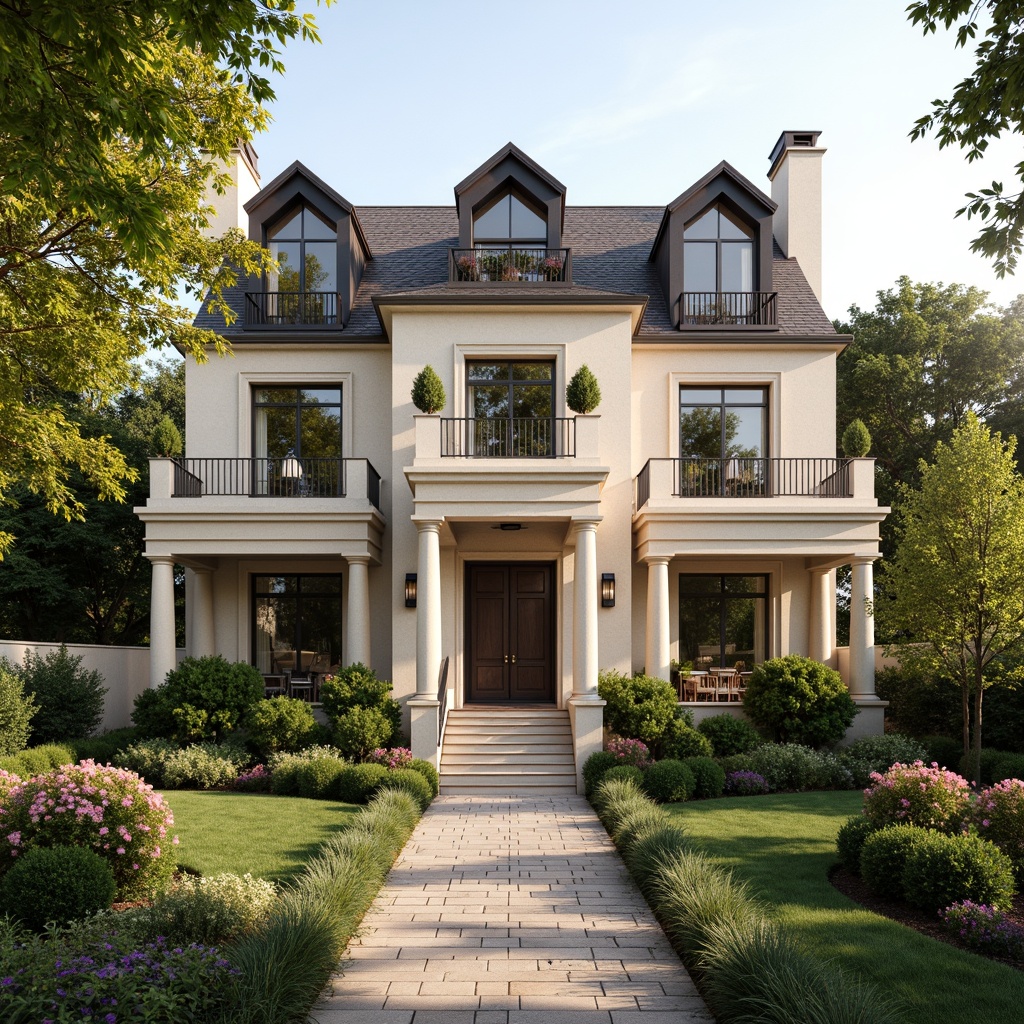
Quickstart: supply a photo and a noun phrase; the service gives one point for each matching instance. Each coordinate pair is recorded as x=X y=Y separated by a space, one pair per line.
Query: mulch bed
x=856 y=889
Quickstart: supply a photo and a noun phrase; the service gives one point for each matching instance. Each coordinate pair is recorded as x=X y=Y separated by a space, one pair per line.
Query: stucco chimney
x=229 y=206
x=795 y=175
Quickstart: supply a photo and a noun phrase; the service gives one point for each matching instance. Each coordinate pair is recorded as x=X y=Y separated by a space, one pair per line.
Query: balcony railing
x=751 y=478
x=548 y=437
x=733 y=309
x=510 y=264
x=292 y=309
x=269 y=478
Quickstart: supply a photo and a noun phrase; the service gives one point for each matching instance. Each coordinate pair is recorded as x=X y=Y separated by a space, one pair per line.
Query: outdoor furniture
x=705 y=686
x=301 y=688
x=275 y=685
x=726 y=683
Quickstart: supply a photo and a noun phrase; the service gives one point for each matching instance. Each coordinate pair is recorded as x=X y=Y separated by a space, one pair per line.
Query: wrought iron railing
x=751 y=478
x=294 y=309
x=510 y=263
x=269 y=478
x=442 y=698
x=741 y=309
x=530 y=437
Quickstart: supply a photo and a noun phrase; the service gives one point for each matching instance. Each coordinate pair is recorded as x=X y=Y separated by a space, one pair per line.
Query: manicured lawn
x=784 y=845
x=268 y=836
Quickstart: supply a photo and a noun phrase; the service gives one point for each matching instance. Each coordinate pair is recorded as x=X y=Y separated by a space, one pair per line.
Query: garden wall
x=125 y=672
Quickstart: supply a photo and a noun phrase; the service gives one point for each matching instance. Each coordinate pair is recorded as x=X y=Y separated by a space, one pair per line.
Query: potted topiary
x=428 y=392
x=856 y=440
x=583 y=395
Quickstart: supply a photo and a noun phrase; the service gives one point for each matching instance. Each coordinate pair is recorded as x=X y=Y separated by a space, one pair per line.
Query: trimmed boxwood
x=943 y=869
x=730 y=735
x=357 y=783
x=624 y=773
x=708 y=776
x=850 y=841
x=595 y=766
x=429 y=772
x=409 y=781
x=884 y=855
x=668 y=781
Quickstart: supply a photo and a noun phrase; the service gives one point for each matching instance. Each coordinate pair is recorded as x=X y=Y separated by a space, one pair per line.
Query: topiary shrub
x=594 y=768
x=357 y=686
x=998 y=814
x=729 y=735
x=856 y=440
x=878 y=754
x=668 y=781
x=624 y=773
x=280 y=723
x=165 y=440
x=16 y=710
x=942 y=750
x=638 y=706
x=429 y=772
x=709 y=777
x=427 y=391
x=200 y=766
x=583 y=394
x=317 y=778
x=681 y=741
x=945 y=869
x=884 y=855
x=57 y=883
x=797 y=700
x=202 y=699
x=359 y=730
x=914 y=794
x=410 y=781
x=69 y=698
x=359 y=782
x=850 y=841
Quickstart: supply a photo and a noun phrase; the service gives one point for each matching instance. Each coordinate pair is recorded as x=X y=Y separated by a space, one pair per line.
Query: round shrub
x=943 y=750
x=729 y=735
x=358 y=782
x=943 y=869
x=628 y=751
x=668 y=781
x=624 y=773
x=884 y=855
x=797 y=700
x=201 y=766
x=318 y=778
x=210 y=910
x=69 y=698
x=358 y=686
x=429 y=772
x=410 y=781
x=998 y=814
x=708 y=776
x=595 y=766
x=638 y=706
x=681 y=740
x=359 y=730
x=850 y=841
x=16 y=710
x=108 y=810
x=281 y=723
x=57 y=883
x=1008 y=766
x=745 y=783
x=878 y=754
x=914 y=794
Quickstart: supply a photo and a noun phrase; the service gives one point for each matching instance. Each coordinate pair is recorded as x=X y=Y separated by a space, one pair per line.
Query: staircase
x=508 y=751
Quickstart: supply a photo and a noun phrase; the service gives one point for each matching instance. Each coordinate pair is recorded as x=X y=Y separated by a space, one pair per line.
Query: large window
x=296 y=623
x=297 y=440
x=511 y=407
x=723 y=620
x=511 y=242
x=718 y=271
x=509 y=221
x=304 y=287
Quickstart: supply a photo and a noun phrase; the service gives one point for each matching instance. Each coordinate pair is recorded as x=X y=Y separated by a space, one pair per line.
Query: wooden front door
x=510 y=619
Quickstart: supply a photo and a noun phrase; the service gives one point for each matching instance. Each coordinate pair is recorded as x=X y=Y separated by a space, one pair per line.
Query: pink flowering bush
x=108 y=810
x=998 y=814
x=8 y=781
x=632 y=752
x=396 y=757
x=917 y=794
x=256 y=780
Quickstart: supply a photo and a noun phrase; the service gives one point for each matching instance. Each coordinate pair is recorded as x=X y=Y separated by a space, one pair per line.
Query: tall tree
x=984 y=106
x=956 y=584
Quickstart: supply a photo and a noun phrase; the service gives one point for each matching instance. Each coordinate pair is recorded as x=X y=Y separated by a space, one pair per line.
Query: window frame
x=720 y=242
x=298 y=641
x=765 y=405
x=724 y=596
x=480 y=435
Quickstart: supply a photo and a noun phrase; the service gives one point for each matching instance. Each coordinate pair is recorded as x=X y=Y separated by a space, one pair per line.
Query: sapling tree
x=583 y=394
x=428 y=392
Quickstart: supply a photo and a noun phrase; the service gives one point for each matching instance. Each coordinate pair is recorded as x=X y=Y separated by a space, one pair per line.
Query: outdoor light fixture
x=510 y=526
x=410 y=590
x=607 y=590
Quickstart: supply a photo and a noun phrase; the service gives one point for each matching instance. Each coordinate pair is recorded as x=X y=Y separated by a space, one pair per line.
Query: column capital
x=428 y=525
x=161 y=559
x=357 y=559
x=656 y=559
x=864 y=559
x=585 y=525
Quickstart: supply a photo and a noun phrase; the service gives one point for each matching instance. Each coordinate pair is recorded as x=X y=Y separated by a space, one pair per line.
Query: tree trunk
x=965 y=695
x=979 y=692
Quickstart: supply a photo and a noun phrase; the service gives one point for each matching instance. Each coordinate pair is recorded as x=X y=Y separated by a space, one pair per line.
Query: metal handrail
x=442 y=697
x=740 y=309
x=281 y=309
x=510 y=263
x=526 y=437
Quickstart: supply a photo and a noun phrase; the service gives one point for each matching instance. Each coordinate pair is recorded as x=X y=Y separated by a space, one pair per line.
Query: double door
x=510 y=612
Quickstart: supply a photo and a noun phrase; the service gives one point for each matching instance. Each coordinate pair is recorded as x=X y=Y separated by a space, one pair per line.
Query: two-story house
x=492 y=558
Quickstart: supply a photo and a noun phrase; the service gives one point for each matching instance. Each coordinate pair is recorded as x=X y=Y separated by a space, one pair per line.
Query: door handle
x=513 y=659
x=506 y=659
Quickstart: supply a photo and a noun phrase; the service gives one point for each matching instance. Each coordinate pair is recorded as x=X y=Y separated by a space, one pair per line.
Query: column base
x=870 y=720
x=586 y=719
x=424 y=717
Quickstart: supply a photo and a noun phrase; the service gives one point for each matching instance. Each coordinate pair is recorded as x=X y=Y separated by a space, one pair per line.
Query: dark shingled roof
x=610 y=250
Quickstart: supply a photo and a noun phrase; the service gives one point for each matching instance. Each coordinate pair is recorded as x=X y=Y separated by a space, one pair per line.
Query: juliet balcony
x=510 y=265
x=718 y=310
x=292 y=310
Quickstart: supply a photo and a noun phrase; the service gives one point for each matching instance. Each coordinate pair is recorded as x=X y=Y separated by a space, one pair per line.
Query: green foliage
x=791 y=766
x=16 y=710
x=878 y=754
x=358 y=783
x=709 y=777
x=651 y=848
x=429 y=772
x=1004 y=766
x=409 y=781
x=281 y=723
x=210 y=910
x=166 y=439
x=681 y=740
x=668 y=781
x=69 y=698
x=922 y=702
x=57 y=883
x=729 y=735
x=102 y=748
x=147 y=758
x=942 y=750
x=850 y=841
x=428 y=392
x=799 y=700
x=986 y=765
x=884 y=855
x=360 y=730
x=357 y=686
x=856 y=440
x=583 y=394
x=594 y=768
x=286 y=768
x=945 y=869
x=998 y=815
x=318 y=777
x=636 y=822
x=624 y=773
x=639 y=707
x=36 y=760
x=200 y=766
x=203 y=698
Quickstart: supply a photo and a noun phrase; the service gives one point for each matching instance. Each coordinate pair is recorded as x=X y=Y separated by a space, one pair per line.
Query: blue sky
x=631 y=103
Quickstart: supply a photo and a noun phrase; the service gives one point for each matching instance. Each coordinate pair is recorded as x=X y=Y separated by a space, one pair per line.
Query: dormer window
x=305 y=246
x=509 y=221
x=718 y=254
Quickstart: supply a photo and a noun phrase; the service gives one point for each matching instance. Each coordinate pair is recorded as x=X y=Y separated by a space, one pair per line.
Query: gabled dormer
x=315 y=236
x=713 y=252
x=511 y=214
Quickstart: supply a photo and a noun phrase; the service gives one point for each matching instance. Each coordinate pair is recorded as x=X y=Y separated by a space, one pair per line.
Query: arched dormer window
x=305 y=246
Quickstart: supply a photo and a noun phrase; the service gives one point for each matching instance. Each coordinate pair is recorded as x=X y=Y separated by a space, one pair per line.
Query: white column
x=819 y=646
x=656 y=652
x=428 y=607
x=162 y=653
x=862 y=627
x=203 y=635
x=584 y=634
x=358 y=624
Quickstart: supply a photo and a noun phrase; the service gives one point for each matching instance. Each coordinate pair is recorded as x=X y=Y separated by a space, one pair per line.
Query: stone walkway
x=510 y=911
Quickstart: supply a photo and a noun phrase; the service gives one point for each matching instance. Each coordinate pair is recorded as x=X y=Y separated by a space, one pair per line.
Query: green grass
x=267 y=836
x=784 y=845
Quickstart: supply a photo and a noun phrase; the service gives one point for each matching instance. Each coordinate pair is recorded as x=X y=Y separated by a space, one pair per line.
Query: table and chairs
x=719 y=684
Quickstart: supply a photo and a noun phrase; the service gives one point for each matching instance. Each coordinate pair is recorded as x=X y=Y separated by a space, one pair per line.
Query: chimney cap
x=791 y=140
